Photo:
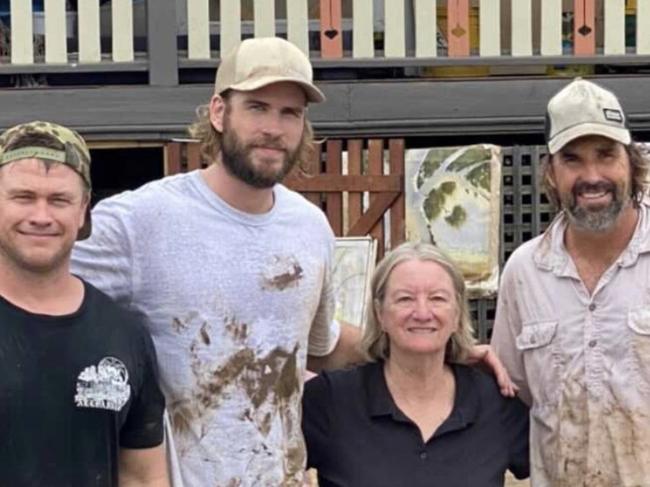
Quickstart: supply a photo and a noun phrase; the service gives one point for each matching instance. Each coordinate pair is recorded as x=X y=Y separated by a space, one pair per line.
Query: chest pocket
x=539 y=352
x=638 y=319
x=536 y=335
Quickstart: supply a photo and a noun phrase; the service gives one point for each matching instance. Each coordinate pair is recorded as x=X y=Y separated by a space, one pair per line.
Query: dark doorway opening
x=117 y=169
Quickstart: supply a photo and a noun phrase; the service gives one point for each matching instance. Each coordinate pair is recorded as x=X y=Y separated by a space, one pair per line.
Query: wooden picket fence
x=342 y=172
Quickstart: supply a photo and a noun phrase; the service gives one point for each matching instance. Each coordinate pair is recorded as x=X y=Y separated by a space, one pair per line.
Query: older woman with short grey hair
x=414 y=415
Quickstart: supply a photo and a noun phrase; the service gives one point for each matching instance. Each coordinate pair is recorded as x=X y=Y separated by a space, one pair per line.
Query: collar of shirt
x=551 y=254
x=379 y=401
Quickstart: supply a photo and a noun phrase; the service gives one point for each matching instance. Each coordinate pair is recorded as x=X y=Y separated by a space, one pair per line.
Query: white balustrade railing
x=43 y=36
x=467 y=29
x=530 y=28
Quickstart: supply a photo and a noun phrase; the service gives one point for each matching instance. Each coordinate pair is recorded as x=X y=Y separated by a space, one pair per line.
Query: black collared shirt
x=357 y=436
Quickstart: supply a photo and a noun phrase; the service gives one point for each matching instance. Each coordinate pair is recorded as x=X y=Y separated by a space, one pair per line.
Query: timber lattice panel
x=525 y=213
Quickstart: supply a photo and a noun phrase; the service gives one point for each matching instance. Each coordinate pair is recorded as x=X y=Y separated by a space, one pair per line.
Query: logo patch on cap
x=613 y=115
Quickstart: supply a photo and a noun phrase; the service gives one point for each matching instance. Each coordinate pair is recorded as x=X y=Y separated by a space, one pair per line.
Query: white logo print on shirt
x=105 y=386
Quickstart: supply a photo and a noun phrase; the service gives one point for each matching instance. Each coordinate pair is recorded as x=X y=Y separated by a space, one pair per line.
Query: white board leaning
x=354 y=263
x=453 y=199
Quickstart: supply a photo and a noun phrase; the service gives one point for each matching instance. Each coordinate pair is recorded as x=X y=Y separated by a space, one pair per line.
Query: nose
x=272 y=125
x=590 y=172
x=422 y=309
x=41 y=215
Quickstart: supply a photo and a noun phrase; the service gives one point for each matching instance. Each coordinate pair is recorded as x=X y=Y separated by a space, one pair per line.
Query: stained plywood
x=458 y=28
x=331 y=35
x=584 y=27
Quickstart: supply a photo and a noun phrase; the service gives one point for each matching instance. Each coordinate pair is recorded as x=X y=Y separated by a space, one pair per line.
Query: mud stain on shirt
x=180 y=324
x=205 y=335
x=237 y=331
x=283 y=273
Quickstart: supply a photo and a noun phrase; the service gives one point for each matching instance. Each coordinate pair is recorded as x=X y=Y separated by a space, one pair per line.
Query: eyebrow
x=256 y=101
x=58 y=194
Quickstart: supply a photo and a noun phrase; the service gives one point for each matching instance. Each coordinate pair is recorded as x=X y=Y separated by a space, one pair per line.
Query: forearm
x=161 y=481
x=144 y=468
x=347 y=351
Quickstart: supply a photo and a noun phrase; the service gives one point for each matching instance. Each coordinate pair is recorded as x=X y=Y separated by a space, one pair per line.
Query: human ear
x=217 y=111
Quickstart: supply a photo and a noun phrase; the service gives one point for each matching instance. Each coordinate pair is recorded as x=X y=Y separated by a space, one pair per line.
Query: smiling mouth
x=421 y=330
x=274 y=149
x=38 y=235
x=593 y=196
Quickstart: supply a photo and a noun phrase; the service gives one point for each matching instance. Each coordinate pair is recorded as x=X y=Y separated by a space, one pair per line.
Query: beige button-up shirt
x=582 y=361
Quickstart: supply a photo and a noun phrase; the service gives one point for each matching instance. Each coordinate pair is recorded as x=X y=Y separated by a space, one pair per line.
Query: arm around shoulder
x=346 y=352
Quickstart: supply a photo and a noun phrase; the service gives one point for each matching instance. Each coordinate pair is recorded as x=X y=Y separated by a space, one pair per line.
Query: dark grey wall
x=489 y=106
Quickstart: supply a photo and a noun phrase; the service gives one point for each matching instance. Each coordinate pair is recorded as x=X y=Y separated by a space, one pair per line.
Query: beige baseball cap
x=584 y=108
x=262 y=61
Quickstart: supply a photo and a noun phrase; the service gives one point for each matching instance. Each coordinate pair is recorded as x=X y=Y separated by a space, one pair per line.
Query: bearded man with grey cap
x=233 y=272
x=79 y=399
x=573 y=313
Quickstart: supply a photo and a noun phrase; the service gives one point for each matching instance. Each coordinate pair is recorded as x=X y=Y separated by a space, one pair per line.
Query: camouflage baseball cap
x=75 y=152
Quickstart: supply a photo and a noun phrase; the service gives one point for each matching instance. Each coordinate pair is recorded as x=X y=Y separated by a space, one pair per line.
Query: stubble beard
x=24 y=263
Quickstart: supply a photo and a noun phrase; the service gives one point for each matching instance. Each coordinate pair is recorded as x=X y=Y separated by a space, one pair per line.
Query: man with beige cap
x=233 y=272
x=573 y=315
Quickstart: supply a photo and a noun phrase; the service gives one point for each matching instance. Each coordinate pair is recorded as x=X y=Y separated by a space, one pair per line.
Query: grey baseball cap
x=584 y=108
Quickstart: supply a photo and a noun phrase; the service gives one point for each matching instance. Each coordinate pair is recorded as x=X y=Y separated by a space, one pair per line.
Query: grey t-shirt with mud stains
x=234 y=303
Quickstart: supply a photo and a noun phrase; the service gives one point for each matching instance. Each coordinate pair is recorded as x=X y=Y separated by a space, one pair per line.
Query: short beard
x=236 y=158
x=23 y=263
x=599 y=220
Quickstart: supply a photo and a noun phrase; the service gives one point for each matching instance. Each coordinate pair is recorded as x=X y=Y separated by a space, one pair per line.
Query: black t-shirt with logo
x=73 y=390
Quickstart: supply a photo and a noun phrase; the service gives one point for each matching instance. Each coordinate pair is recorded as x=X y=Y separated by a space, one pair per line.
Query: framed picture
x=354 y=263
x=453 y=199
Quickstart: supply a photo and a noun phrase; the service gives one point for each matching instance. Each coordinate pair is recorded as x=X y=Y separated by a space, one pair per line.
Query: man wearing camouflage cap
x=79 y=401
